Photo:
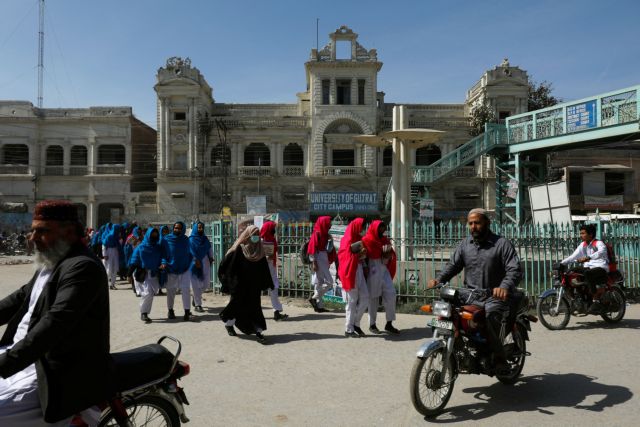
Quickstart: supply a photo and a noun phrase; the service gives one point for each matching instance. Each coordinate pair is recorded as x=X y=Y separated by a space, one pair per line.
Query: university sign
x=344 y=202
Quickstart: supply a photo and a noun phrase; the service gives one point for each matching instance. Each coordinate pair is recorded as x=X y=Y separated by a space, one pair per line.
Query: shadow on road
x=539 y=393
x=592 y=322
x=300 y=336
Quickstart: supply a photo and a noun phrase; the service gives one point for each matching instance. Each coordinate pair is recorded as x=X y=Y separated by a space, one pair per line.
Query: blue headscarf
x=199 y=246
x=96 y=239
x=128 y=246
x=147 y=255
x=111 y=238
x=179 y=257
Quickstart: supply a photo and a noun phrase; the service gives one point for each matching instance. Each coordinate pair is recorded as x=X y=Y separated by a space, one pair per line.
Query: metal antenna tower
x=40 y=53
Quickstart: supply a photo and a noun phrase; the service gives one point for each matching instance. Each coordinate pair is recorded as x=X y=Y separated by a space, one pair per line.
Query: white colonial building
x=212 y=155
x=101 y=158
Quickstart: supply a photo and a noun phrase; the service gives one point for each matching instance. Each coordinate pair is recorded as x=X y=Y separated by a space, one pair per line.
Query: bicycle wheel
x=430 y=387
x=148 y=411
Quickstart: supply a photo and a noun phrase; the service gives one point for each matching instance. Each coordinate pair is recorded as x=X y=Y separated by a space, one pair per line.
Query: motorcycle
x=571 y=295
x=147 y=390
x=459 y=346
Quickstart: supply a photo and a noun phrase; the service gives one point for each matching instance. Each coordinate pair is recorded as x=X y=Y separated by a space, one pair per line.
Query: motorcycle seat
x=142 y=365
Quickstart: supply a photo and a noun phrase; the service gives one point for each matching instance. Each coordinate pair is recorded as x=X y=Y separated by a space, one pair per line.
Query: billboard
x=581 y=116
x=362 y=202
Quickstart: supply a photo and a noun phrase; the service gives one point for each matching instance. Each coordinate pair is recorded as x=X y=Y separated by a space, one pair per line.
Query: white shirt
x=25 y=380
x=598 y=254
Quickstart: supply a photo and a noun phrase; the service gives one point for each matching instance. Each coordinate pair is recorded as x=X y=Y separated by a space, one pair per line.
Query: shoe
x=374 y=329
x=389 y=328
x=261 y=338
x=187 y=315
x=596 y=308
x=351 y=334
x=145 y=318
x=138 y=295
x=160 y=292
x=193 y=302
x=171 y=315
x=230 y=331
x=321 y=310
x=199 y=309
x=277 y=316
x=359 y=331
x=113 y=287
x=313 y=303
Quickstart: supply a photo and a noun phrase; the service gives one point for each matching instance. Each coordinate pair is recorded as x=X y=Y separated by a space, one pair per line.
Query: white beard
x=49 y=258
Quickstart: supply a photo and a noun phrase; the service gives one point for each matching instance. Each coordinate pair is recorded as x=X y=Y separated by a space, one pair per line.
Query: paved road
x=311 y=375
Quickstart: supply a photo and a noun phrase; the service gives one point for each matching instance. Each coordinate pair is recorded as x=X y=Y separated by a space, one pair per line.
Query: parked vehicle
x=459 y=346
x=570 y=295
x=147 y=389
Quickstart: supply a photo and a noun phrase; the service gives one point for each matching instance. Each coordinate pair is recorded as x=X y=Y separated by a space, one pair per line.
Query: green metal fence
x=430 y=246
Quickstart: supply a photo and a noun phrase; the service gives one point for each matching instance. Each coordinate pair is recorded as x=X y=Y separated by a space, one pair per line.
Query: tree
x=479 y=116
x=540 y=95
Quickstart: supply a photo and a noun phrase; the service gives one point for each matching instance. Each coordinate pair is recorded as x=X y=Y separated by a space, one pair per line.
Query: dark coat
x=68 y=336
x=244 y=280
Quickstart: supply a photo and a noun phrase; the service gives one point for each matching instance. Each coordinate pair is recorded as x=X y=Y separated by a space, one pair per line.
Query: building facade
x=213 y=155
x=101 y=158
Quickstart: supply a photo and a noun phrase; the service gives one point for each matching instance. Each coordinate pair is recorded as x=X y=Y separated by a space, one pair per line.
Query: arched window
x=427 y=155
x=257 y=154
x=293 y=155
x=55 y=156
x=111 y=155
x=15 y=154
x=78 y=155
x=221 y=155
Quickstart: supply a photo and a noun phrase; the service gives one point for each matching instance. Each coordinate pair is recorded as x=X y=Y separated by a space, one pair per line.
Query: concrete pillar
x=165 y=135
x=354 y=91
x=66 y=158
x=332 y=91
x=127 y=158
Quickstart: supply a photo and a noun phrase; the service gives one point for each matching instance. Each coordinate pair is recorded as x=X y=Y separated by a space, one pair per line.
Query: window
x=326 y=90
x=361 y=83
x=111 y=155
x=387 y=156
x=179 y=115
x=343 y=92
x=502 y=115
x=55 y=156
x=257 y=154
x=613 y=183
x=15 y=154
x=427 y=155
x=179 y=160
x=78 y=155
x=575 y=184
x=221 y=155
x=293 y=155
x=344 y=158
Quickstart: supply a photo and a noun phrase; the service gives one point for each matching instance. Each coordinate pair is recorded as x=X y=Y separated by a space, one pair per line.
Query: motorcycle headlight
x=442 y=309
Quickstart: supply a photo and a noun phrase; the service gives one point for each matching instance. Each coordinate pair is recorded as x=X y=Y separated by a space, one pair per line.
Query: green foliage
x=479 y=116
x=540 y=96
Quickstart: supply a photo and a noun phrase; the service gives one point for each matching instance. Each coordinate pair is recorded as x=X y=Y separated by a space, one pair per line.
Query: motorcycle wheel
x=615 y=296
x=549 y=317
x=515 y=347
x=145 y=411
x=430 y=392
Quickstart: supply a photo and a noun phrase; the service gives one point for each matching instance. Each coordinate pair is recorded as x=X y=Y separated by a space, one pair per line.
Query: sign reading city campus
x=343 y=202
x=581 y=116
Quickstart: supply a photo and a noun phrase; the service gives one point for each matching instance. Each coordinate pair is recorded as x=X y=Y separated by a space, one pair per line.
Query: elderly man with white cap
x=489 y=262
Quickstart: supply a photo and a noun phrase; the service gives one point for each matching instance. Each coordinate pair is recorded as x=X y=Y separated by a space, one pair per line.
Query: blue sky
x=253 y=51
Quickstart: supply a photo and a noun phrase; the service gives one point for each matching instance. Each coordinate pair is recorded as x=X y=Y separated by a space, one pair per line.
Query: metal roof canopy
x=417 y=136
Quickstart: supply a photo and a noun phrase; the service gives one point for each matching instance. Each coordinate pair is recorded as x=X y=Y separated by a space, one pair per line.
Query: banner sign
x=426 y=209
x=581 y=116
x=603 y=201
x=343 y=202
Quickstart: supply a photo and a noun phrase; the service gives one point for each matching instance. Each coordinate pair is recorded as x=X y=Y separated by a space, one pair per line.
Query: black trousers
x=593 y=276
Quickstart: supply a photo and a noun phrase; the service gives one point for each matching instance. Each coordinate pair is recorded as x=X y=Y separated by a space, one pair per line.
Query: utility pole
x=40 y=54
x=204 y=127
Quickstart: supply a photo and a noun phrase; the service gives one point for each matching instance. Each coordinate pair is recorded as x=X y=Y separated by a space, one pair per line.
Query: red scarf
x=268 y=234
x=320 y=237
x=374 y=245
x=348 y=265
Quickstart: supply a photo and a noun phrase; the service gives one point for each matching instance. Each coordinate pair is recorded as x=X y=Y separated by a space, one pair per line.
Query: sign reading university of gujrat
x=344 y=202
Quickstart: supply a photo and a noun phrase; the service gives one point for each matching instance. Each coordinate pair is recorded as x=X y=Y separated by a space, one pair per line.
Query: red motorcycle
x=571 y=295
x=147 y=389
x=459 y=346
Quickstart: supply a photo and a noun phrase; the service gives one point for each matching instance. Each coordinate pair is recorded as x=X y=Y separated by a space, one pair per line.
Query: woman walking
x=146 y=263
x=268 y=236
x=200 y=269
x=322 y=254
x=350 y=270
x=244 y=274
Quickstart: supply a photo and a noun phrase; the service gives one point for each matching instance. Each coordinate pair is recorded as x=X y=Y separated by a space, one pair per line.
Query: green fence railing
x=430 y=246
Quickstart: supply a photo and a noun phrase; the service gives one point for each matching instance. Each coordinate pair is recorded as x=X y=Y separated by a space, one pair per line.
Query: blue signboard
x=581 y=116
x=344 y=202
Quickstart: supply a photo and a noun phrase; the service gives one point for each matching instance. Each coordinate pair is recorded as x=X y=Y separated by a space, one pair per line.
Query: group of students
x=158 y=259
x=366 y=267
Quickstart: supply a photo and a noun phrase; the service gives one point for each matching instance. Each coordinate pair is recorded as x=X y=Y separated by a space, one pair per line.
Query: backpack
x=613 y=262
x=304 y=256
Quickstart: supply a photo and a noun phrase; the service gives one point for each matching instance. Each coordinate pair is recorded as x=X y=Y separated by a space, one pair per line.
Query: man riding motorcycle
x=489 y=262
x=593 y=254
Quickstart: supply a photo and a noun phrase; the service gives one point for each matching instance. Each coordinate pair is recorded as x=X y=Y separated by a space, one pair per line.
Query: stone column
x=165 y=135
x=354 y=91
x=127 y=158
x=160 y=139
x=332 y=92
x=66 y=157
